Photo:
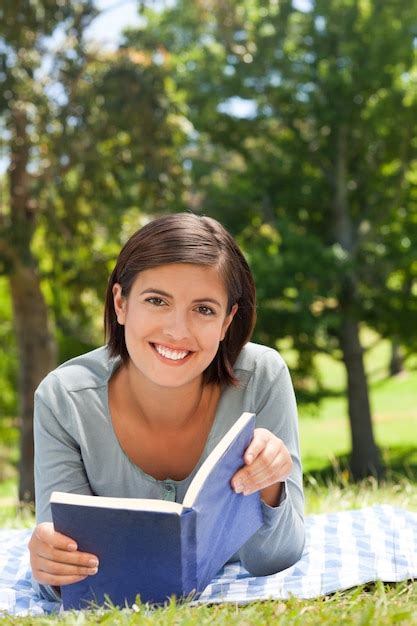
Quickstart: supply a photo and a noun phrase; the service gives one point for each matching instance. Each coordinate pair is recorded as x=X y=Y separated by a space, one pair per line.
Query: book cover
x=156 y=548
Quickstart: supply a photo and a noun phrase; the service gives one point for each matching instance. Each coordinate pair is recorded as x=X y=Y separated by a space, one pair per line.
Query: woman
x=137 y=417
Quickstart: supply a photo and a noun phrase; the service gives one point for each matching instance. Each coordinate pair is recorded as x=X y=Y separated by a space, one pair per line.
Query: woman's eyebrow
x=212 y=300
x=160 y=292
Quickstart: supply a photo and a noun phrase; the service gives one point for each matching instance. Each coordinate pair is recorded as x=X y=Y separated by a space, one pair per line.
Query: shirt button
x=169 y=492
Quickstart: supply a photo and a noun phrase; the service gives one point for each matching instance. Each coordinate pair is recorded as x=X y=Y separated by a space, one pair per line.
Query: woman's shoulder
x=89 y=370
x=256 y=357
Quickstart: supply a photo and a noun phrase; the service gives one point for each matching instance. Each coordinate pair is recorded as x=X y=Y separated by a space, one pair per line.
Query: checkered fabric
x=342 y=550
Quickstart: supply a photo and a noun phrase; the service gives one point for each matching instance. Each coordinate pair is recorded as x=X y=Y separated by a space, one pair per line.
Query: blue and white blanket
x=342 y=550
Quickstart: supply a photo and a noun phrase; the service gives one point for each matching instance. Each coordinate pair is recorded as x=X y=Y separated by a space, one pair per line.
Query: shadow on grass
x=400 y=463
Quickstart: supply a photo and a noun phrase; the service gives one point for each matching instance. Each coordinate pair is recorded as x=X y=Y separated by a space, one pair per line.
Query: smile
x=172 y=355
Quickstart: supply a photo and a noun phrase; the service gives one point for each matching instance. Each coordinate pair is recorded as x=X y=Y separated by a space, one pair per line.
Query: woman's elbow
x=274 y=561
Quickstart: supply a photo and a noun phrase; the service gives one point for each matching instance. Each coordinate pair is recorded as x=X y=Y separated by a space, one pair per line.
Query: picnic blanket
x=342 y=550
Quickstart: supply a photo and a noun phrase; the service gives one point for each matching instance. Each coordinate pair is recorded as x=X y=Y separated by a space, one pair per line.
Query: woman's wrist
x=272 y=495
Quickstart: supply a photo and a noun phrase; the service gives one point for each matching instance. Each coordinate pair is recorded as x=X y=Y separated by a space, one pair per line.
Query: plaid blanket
x=342 y=550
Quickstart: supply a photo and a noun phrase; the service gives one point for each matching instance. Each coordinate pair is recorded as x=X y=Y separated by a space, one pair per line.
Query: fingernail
x=93 y=572
x=238 y=486
x=93 y=563
x=249 y=458
x=72 y=546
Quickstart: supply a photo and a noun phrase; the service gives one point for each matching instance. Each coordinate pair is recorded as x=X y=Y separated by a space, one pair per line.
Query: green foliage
x=314 y=178
x=326 y=88
x=152 y=128
x=268 y=117
x=101 y=133
x=8 y=357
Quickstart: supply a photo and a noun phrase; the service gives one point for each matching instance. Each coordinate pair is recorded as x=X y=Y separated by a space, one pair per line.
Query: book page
x=132 y=504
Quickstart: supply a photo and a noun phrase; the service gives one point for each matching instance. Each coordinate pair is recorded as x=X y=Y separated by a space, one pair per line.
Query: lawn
x=325 y=435
x=324 y=444
x=394 y=402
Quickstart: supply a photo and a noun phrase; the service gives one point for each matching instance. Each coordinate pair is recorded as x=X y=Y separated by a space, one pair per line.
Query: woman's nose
x=177 y=326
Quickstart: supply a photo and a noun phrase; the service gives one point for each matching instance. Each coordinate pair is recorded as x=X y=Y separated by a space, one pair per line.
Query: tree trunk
x=36 y=359
x=396 y=365
x=36 y=348
x=365 y=456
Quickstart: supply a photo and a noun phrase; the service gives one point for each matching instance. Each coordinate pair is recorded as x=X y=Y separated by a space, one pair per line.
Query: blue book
x=155 y=548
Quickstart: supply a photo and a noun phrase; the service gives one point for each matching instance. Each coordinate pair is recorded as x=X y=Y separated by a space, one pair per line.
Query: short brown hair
x=198 y=240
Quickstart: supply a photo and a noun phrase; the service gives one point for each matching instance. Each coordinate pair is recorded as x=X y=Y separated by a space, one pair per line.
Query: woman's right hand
x=55 y=559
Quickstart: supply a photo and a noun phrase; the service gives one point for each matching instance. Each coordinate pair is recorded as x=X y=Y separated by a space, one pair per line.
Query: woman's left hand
x=267 y=464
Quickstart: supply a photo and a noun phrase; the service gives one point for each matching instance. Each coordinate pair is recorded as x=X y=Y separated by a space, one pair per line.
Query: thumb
x=45 y=532
x=256 y=446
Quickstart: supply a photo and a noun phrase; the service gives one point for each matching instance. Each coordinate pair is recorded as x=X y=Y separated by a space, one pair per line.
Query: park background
x=294 y=124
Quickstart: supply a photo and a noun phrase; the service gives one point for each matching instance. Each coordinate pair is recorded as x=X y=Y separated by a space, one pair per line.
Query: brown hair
x=188 y=238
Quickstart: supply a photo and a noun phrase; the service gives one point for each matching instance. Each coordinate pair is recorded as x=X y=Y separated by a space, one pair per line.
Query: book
x=156 y=548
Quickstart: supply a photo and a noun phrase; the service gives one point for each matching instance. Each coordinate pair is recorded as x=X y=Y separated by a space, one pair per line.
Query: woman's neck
x=162 y=407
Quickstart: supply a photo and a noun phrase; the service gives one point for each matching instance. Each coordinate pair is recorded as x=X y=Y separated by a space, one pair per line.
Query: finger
x=272 y=452
x=65 y=569
x=265 y=458
x=266 y=477
x=81 y=559
x=50 y=579
x=259 y=440
x=277 y=472
x=46 y=533
x=49 y=544
x=265 y=474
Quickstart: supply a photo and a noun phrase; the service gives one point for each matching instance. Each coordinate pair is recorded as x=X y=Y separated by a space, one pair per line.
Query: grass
x=325 y=436
x=378 y=604
x=373 y=605
x=325 y=443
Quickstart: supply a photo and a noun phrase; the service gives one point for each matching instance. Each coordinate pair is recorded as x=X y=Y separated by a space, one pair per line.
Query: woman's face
x=175 y=317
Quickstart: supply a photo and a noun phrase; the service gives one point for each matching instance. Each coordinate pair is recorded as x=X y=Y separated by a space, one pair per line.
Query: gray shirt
x=76 y=448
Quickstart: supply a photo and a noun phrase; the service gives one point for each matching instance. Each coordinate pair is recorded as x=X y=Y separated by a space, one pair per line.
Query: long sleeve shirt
x=76 y=448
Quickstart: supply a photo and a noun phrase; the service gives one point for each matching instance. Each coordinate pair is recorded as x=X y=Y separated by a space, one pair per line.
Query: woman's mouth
x=170 y=353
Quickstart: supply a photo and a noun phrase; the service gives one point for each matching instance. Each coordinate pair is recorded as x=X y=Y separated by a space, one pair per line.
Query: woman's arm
x=55 y=560
x=58 y=461
x=278 y=544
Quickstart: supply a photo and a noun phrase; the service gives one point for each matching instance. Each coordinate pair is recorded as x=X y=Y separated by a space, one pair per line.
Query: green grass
x=8 y=489
x=325 y=435
x=377 y=604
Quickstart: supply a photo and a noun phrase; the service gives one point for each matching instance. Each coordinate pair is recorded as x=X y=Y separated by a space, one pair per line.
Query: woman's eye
x=155 y=301
x=205 y=310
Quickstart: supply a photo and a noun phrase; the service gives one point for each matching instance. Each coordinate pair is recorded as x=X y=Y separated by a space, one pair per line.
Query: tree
x=91 y=141
x=313 y=179
x=24 y=31
x=121 y=139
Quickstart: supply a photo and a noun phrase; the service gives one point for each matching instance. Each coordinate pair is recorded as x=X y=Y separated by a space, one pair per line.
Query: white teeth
x=170 y=354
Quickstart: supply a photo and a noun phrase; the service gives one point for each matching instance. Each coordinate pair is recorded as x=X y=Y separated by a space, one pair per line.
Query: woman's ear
x=228 y=320
x=119 y=303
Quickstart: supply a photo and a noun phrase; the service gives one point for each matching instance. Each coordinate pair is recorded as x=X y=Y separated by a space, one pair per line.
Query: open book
x=156 y=548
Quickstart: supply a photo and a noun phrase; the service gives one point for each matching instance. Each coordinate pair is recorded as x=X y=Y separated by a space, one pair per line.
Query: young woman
x=137 y=417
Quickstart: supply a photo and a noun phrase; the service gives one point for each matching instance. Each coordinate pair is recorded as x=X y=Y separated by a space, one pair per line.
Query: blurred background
x=292 y=122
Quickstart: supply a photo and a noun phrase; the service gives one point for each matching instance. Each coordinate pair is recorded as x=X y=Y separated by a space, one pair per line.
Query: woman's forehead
x=179 y=276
